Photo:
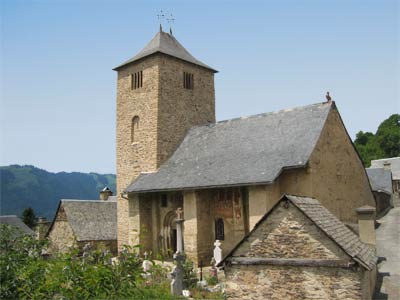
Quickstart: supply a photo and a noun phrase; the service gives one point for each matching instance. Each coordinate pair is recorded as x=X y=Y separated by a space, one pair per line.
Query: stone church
x=225 y=175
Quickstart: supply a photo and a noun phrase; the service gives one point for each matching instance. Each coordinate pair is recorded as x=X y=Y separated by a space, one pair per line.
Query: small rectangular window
x=137 y=80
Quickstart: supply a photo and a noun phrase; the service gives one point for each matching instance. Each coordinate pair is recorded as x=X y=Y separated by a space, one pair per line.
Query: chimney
x=105 y=193
x=42 y=228
x=366 y=224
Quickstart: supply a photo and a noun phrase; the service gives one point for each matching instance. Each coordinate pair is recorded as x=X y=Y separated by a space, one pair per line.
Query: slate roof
x=91 y=219
x=242 y=151
x=335 y=229
x=166 y=43
x=380 y=179
x=14 y=221
x=394 y=165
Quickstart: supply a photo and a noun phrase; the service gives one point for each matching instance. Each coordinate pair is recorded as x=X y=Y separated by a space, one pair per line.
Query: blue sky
x=58 y=90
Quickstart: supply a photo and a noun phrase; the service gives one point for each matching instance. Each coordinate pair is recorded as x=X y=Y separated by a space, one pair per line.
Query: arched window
x=134 y=128
x=219 y=229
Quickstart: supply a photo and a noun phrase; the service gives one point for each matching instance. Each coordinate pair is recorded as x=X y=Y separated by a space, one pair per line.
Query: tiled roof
x=336 y=230
x=92 y=219
x=380 y=179
x=248 y=150
x=166 y=43
x=16 y=222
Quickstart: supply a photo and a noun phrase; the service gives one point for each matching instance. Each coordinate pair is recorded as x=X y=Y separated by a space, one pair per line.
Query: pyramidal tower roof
x=166 y=43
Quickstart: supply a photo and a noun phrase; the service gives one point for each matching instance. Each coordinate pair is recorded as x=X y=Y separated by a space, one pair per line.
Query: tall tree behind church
x=384 y=143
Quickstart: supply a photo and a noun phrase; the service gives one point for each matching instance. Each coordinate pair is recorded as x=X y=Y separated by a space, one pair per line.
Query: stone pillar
x=133 y=225
x=179 y=257
x=366 y=224
x=179 y=232
x=190 y=207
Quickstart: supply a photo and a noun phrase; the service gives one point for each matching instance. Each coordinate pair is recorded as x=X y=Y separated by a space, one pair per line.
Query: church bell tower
x=162 y=92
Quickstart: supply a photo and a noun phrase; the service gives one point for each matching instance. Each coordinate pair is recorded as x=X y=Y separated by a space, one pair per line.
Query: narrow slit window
x=164 y=200
x=219 y=229
x=134 y=129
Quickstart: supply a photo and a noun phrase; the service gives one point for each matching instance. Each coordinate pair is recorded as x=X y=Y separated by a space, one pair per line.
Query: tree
x=385 y=143
x=28 y=217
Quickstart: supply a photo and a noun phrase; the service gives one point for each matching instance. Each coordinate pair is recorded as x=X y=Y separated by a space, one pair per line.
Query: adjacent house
x=17 y=223
x=300 y=250
x=225 y=175
x=381 y=184
x=81 y=222
x=392 y=164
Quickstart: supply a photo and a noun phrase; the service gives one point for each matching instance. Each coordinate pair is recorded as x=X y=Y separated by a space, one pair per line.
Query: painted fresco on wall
x=228 y=204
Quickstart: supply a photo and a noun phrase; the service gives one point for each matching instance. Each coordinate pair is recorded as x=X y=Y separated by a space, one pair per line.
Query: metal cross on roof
x=160 y=17
x=170 y=21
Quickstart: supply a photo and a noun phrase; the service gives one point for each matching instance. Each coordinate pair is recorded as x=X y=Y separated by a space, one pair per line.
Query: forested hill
x=24 y=186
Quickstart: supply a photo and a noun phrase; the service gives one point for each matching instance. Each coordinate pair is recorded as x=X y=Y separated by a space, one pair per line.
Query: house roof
x=165 y=43
x=16 y=222
x=91 y=219
x=380 y=179
x=392 y=162
x=242 y=151
x=336 y=230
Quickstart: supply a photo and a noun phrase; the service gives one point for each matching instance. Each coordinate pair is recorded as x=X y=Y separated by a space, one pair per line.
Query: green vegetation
x=384 y=143
x=28 y=186
x=29 y=217
x=24 y=274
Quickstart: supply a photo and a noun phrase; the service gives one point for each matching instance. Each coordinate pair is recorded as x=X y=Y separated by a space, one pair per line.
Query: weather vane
x=170 y=21
x=160 y=17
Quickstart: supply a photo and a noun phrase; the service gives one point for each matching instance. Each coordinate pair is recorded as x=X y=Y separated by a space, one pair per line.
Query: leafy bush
x=25 y=274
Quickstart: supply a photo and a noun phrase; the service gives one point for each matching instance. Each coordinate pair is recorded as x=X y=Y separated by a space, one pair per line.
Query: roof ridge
x=274 y=112
x=261 y=114
x=85 y=200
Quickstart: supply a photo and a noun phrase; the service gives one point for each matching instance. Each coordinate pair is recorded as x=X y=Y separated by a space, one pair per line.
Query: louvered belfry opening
x=188 y=80
x=137 y=80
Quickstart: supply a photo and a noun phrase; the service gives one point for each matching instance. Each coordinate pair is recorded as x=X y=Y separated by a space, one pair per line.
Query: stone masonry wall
x=202 y=208
x=110 y=246
x=281 y=282
x=180 y=109
x=61 y=237
x=141 y=154
x=166 y=112
x=287 y=233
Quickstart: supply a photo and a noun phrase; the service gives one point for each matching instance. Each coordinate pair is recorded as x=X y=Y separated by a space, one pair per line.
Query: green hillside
x=23 y=186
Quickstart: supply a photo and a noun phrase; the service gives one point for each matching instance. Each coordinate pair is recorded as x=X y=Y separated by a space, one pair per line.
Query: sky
x=58 y=90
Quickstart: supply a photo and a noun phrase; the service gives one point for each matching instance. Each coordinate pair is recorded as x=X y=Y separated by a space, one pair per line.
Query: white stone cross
x=217 y=252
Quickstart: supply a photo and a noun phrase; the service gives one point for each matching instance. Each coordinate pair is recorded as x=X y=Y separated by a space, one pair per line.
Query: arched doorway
x=169 y=234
